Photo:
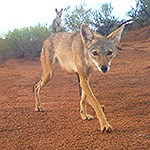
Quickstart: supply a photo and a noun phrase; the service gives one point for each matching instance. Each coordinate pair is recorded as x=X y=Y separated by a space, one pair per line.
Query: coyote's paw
x=87 y=117
x=103 y=107
x=40 y=109
x=106 y=127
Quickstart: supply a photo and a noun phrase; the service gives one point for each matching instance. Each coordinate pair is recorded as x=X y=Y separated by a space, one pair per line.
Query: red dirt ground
x=125 y=92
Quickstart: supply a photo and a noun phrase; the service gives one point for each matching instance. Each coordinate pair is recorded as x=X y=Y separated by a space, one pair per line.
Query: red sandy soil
x=124 y=90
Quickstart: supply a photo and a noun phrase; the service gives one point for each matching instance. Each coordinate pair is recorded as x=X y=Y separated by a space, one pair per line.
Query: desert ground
x=124 y=90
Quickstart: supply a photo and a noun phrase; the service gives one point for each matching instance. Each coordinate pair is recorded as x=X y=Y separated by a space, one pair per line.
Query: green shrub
x=24 y=42
x=141 y=13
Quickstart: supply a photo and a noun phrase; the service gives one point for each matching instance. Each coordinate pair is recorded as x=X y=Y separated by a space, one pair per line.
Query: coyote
x=79 y=53
x=57 y=21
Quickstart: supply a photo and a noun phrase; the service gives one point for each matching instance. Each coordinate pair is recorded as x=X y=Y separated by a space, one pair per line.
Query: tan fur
x=80 y=53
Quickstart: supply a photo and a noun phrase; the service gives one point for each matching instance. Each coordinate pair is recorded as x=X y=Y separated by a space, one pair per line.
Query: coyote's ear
x=116 y=35
x=86 y=35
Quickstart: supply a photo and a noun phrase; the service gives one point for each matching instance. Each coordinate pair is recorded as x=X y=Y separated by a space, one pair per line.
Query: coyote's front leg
x=105 y=126
x=83 y=111
x=83 y=108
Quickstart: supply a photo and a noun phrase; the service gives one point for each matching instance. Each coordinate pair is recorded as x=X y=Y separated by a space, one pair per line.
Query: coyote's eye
x=110 y=53
x=95 y=53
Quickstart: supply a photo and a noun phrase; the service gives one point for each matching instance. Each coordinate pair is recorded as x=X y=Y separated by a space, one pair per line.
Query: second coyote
x=80 y=53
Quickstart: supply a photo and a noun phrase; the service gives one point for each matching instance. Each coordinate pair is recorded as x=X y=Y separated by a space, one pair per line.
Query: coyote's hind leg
x=37 y=87
x=48 y=60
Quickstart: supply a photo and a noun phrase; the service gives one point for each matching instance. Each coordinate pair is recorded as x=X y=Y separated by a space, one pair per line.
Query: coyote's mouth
x=103 y=68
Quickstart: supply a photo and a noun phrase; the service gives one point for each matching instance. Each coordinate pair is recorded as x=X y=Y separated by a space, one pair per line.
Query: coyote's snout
x=79 y=53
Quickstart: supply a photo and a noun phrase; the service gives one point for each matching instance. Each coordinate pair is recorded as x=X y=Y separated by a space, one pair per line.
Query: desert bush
x=141 y=13
x=103 y=20
x=100 y=20
x=74 y=18
x=24 y=42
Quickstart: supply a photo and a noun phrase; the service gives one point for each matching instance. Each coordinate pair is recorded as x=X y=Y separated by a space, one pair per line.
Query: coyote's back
x=58 y=48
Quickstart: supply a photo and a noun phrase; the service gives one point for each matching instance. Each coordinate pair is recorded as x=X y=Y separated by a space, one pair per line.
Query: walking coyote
x=80 y=53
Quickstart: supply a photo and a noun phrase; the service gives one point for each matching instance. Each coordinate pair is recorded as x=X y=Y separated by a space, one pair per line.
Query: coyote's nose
x=104 y=69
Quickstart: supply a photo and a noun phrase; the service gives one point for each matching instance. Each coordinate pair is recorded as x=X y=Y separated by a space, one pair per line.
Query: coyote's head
x=101 y=50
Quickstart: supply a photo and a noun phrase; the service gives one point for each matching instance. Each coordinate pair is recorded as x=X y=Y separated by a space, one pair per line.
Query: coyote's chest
x=67 y=65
